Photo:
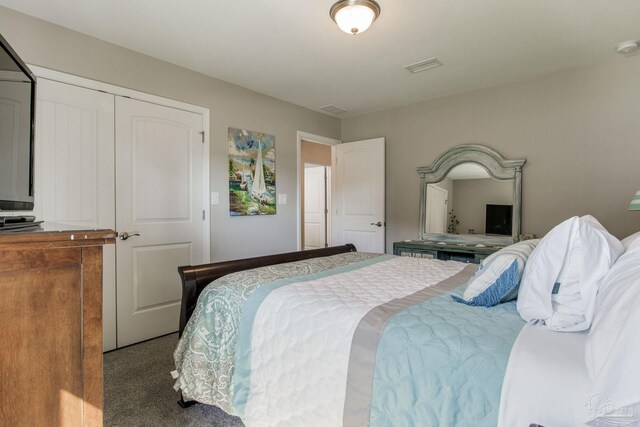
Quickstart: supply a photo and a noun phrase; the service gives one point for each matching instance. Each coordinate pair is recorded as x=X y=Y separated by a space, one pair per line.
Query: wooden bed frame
x=196 y=278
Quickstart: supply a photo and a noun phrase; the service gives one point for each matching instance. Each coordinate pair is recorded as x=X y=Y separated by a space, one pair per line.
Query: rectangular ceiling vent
x=423 y=65
x=332 y=109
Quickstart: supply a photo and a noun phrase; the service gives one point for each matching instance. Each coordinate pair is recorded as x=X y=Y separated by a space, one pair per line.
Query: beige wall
x=470 y=197
x=578 y=129
x=318 y=154
x=47 y=45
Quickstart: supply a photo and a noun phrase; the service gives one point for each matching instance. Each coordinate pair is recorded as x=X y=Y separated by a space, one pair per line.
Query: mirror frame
x=497 y=166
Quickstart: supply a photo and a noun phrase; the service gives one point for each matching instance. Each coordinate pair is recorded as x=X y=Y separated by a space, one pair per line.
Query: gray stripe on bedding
x=357 y=402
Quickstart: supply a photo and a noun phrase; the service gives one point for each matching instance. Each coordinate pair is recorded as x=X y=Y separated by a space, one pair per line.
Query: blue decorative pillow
x=498 y=277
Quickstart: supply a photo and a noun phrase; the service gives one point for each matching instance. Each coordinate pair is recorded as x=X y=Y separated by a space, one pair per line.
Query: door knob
x=378 y=224
x=124 y=235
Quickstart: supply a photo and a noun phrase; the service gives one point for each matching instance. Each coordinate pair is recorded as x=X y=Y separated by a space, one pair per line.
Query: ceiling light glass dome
x=354 y=16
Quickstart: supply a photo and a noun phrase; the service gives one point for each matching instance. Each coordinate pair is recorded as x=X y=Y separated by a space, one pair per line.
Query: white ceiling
x=292 y=50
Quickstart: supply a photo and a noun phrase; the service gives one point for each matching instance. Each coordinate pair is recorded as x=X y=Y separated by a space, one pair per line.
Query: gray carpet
x=138 y=390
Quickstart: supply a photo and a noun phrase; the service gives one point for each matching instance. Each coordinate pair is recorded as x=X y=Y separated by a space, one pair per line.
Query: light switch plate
x=282 y=199
x=215 y=198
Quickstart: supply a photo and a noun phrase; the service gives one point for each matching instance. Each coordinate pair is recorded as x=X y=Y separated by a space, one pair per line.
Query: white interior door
x=436 y=209
x=358 y=195
x=315 y=214
x=74 y=171
x=159 y=179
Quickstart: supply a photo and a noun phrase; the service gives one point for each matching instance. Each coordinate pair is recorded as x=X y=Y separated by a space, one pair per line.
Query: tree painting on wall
x=252 y=173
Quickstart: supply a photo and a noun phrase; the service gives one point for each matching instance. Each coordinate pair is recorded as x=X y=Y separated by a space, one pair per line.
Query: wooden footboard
x=196 y=278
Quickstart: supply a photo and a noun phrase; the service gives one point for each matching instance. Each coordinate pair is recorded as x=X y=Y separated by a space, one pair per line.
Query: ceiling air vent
x=423 y=65
x=332 y=109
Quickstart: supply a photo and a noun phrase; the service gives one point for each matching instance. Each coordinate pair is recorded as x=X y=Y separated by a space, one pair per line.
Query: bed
x=338 y=337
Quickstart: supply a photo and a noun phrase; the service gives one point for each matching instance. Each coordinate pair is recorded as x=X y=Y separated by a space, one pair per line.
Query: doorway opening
x=315 y=207
x=437 y=204
x=314 y=191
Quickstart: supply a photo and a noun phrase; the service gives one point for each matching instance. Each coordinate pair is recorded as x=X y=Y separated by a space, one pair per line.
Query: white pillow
x=498 y=277
x=631 y=240
x=561 y=278
x=612 y=349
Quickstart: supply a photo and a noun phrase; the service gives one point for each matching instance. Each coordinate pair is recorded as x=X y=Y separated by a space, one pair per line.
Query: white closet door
x=159 y=180
x=74 y=171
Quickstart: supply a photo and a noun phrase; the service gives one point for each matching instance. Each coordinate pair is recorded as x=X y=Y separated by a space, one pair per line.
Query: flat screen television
x=17 y=123
x=498 y=220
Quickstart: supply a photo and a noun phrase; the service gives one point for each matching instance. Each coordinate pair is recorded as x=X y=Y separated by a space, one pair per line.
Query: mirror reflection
x=470 y=201
x=469 y=192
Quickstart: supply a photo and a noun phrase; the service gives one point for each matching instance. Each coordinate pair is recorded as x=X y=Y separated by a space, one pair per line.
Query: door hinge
x=203 y=215
x=202 y=135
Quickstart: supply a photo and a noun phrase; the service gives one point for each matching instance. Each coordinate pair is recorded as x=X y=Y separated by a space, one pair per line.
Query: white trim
x=206 y=187
x=45 y=73
x=299 y=171
x=328 y=185
x=317 y=138
x=58 y=76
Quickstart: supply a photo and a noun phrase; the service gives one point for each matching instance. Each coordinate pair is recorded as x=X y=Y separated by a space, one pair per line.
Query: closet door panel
x=74 y=170
x=159 y=174
x=75 y=155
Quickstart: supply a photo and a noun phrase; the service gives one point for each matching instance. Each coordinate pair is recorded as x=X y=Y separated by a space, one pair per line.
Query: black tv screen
x=498 y=219
x=17 y=114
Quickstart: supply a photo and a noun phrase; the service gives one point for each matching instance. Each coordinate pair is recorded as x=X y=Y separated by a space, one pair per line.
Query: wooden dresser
x=471 y=248
x=51 y=326
x=444 y=251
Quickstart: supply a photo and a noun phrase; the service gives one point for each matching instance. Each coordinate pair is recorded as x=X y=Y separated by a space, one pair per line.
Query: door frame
x=46 y=73
x=300 y=171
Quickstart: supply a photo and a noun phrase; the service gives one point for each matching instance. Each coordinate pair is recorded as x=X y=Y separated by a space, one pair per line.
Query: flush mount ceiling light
x=628 y=46
x=354 y=16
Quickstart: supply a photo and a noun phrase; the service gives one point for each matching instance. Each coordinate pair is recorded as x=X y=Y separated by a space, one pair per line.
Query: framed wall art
x=252 y=173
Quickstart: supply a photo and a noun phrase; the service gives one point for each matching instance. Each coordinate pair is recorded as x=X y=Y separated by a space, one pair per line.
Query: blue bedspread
x=441 y=363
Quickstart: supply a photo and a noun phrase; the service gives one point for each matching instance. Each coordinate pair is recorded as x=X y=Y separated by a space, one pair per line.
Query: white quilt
x=302 y=337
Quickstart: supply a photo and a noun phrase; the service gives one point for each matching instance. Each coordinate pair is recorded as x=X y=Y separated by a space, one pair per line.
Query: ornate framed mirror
x=473 y=190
